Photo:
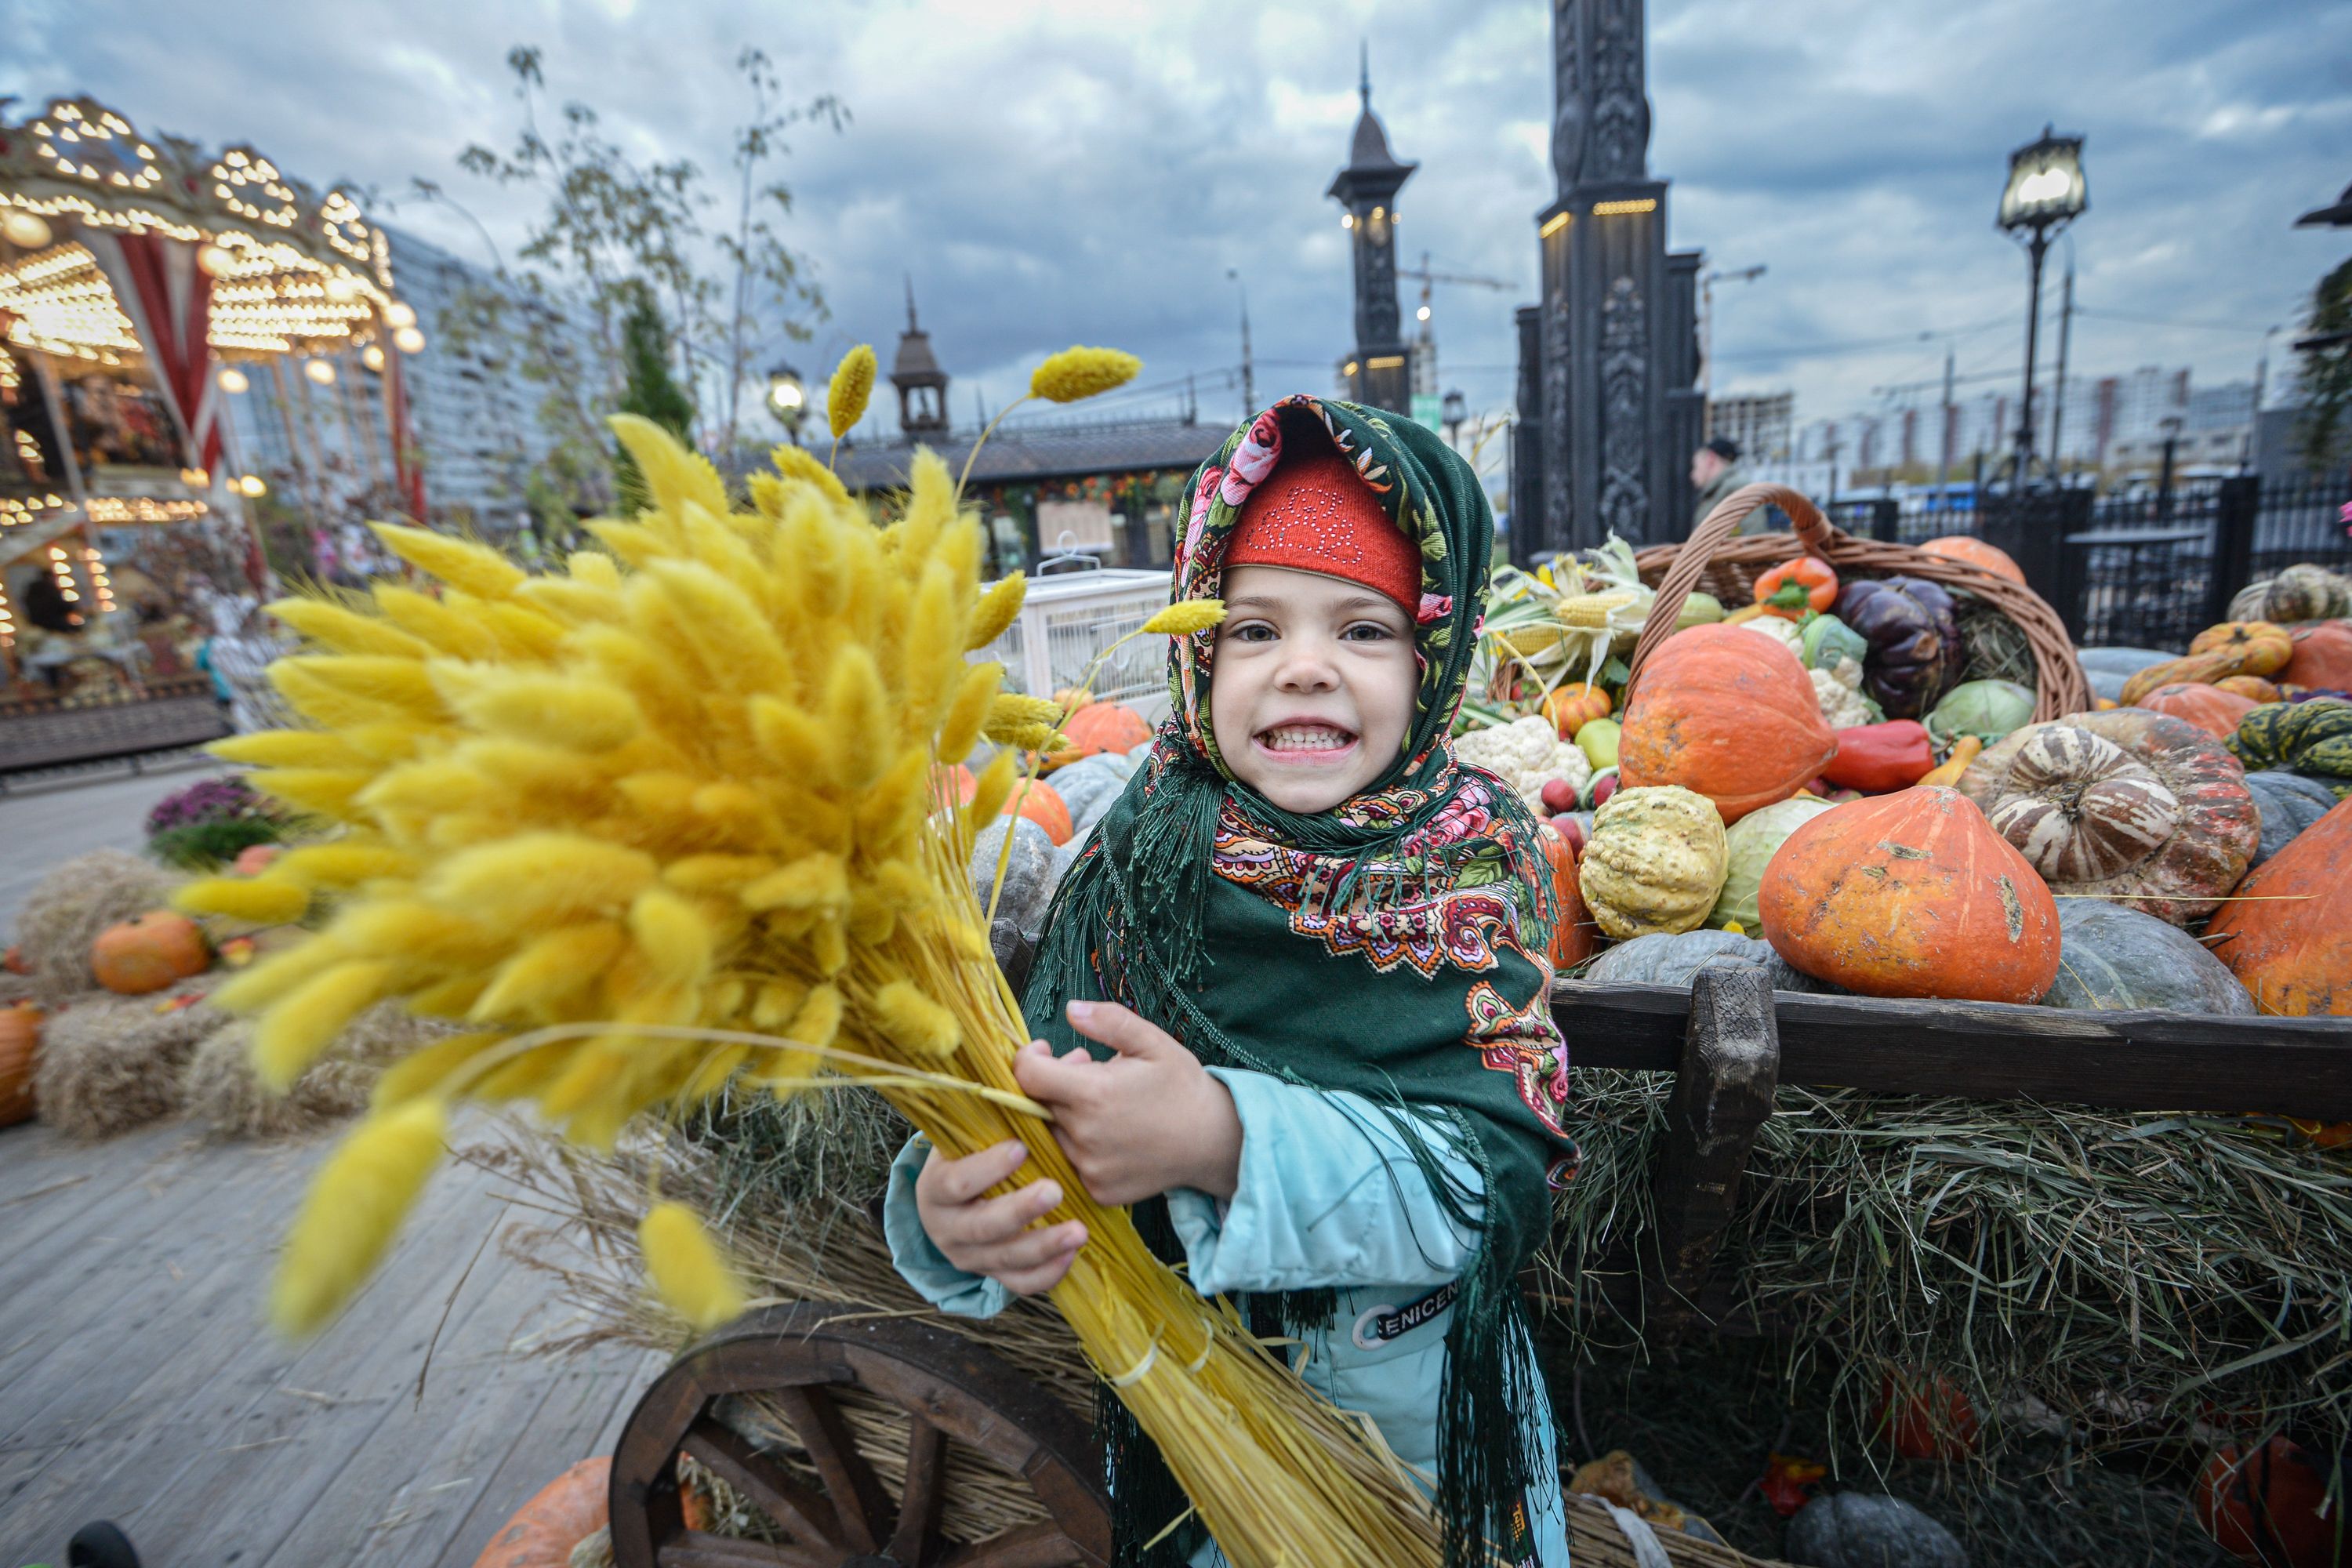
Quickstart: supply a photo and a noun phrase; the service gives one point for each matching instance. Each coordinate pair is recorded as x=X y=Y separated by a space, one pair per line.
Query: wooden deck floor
x=139 y=1383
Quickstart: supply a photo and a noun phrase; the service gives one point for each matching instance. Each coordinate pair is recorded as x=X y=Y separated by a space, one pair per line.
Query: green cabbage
x=1748 y=846
x=1827 y=639
x=1698 y=610
x=1985 y=709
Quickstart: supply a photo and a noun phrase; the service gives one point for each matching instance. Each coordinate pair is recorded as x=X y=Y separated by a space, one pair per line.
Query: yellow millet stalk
x=678 y=816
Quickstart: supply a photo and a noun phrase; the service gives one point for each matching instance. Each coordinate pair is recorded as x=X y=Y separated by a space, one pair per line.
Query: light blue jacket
x=1328 y=1195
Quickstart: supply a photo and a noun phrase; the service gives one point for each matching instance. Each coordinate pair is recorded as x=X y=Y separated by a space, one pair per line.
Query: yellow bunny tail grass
x=475 y=568
x=428 y=1069
x=797 y=463
x=1036 y=738
x=537 y=878
x=1080 y=372
x=328 y=792
x=857 y=718
x=689 y=1273
x=554 y=968
x=959 y=731
x=344 y=630
x=1186 y=616
x=398 y=686
x=356 y=1203
x=915 y=1022
x=992 y=790
x=852 y=385
x=431 y=621
x=341 y=864
x=306 y=1021
x=672 y=934
x=287 y=749
x=265 y=902
x=673 y=474
x=812 y=882
x=997 y=610
x=553 y=710
x=1013 y=710
x=278 y=974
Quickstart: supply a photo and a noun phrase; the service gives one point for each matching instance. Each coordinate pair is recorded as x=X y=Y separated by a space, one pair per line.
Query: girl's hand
x=1147 y=1121
x=981 y=1235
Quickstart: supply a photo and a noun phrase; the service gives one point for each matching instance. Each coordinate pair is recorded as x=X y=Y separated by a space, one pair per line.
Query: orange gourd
x=20 y=1053
x=2209 y=708
x=1973 y=551
x=2261 y=648
x=560 y=1516
x=1911 y=894
x=1043 y=804
x=2286 y=932
x=1726 y=714
x=2202 y=667
x=1571 y=707
x=1574 y=935
x=1099 y=727
x=148 y=953
x=2321 y=658
x=2253 y=688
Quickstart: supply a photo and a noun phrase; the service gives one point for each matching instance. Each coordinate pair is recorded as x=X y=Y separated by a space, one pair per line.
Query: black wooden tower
x=1379 y=372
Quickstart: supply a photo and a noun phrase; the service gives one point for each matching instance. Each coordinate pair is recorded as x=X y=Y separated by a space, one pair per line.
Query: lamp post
x=787 y=399
x=2044 y=194
x=1706 y=343
x=1249 y=371
x=1454 y=410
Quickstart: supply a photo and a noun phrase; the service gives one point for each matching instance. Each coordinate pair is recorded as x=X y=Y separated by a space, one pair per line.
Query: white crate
x=1068 y=619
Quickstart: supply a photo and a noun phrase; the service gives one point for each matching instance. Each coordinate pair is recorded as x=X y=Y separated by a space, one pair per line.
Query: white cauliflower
x=1525 y=754
x=1839 y=693
x=1784 y=632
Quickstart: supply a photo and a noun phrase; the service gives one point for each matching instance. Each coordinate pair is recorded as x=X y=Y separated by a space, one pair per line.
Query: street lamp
x=1454 y=410
x=1249 y=370
x=1707 y=343
x=2044 y=194
x=787 y=399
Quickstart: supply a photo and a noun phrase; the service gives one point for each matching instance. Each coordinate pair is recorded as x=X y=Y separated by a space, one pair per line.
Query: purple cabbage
x=1916 y=653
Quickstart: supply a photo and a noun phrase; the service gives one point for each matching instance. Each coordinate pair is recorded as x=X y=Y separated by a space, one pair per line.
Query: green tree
x=648 y=389
x=2327 y=371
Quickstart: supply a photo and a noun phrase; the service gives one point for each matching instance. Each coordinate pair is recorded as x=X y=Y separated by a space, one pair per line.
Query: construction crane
x=1425 y=346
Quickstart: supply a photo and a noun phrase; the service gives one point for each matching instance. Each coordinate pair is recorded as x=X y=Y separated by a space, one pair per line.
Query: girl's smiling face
x=1313 y=689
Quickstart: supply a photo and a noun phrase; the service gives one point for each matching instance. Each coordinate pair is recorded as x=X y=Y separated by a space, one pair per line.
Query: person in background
x=1714 y=473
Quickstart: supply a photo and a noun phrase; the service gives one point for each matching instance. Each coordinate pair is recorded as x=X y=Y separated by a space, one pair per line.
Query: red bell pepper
x=1877 y=758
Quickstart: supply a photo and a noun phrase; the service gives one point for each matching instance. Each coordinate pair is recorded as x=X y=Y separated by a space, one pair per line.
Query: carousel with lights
x=145 y=283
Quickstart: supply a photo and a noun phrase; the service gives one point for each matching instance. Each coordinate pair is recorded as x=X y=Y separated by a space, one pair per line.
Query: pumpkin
x=1914 y=633
x=2253 y=687
x=1043 y=804
x=2289 y=803
x=1866 y=1530
x=558 y=1516
x=1573 y=933
x=2202 y=668
x=2112 y=959
x=1911 y=894
x=2287 y=936
x=1654 y=862
x=1662 y=960
x=1926 y=1416
x=254 y=859
x=1571 y=707
x=1971 y=551
x=1727 y=714
x=2261 y=646
x=1748 y=847
x=2268 y=1507
x=1099 y=727
x=2314 y=737
x=1032 y=871
x=20 y=1052
x=2209 y=708
x=2301 y=593
x=1088 y=787
x=148 y=953
x=2322 y=656
x=2133 y=806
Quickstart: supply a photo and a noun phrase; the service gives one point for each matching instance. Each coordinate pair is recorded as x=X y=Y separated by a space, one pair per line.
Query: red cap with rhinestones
x=1315 y=514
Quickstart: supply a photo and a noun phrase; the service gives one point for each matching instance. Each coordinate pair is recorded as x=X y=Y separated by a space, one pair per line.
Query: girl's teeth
x=1305 y=741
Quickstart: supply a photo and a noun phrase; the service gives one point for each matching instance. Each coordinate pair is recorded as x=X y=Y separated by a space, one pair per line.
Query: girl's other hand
x=998 y=1235
x=1150 y=1118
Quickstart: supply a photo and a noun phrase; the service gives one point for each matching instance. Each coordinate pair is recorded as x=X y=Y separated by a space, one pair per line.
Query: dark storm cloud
x=1050 y=170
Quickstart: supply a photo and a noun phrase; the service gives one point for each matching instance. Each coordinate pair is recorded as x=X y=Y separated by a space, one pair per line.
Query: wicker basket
x=1713 y=559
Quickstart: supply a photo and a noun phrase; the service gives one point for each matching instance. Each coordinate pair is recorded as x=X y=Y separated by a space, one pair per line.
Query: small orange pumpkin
x=148 y=953
x=2261 y=648
x=2286 y=933
x=20 y=1053
x=254 y=859
x=1571 y=707
x=1043 y=804
x=562 y=1514
x=2322 y=656
x=2210 y=707
x=1911 y=894
x=1974 y=552
x=1726 y=714
x=1574 y=935
x=959 y=786
x=2253 y=687
x=1099 y=727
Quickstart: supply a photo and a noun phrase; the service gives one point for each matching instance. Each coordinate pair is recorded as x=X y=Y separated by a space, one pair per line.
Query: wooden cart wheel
x=952 y=1391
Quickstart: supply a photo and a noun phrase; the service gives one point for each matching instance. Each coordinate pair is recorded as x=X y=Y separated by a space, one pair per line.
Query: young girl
x=1305 y=950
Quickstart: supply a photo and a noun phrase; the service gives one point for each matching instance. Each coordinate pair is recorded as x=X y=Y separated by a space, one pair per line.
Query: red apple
x=1559 y=796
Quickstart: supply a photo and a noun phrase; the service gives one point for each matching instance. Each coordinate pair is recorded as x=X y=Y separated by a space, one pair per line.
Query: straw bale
x=221 y=1091
x=70 y=906
x=110 y=1063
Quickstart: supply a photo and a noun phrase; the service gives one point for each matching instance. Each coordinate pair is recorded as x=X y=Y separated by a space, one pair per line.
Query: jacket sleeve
x=917 y=1258
x=1330 y=1195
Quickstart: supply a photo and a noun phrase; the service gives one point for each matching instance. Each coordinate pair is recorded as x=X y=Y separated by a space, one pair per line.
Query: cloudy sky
x=1052 y=171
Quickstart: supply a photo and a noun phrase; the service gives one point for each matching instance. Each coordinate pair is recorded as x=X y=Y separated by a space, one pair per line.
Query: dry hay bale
x=112 y=1063
x=74 y=903
x=220 y=1089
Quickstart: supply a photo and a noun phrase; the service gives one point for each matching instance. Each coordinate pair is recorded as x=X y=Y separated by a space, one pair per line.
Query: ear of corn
x=694 y=785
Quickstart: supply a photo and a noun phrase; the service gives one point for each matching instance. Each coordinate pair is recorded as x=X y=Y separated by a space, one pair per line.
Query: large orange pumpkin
x=2209 y=708
x=2268 y=1507
x=562 y=1514
x=1043 y=804
x=1574 y=935
x=1976 y=552
x=1099 y=727
x=148 y=953
x=2322 y=657
x=2286 y=933
x=2260 y=647
x=20 y=1053
x=1911 y=894
x=1726 y=714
